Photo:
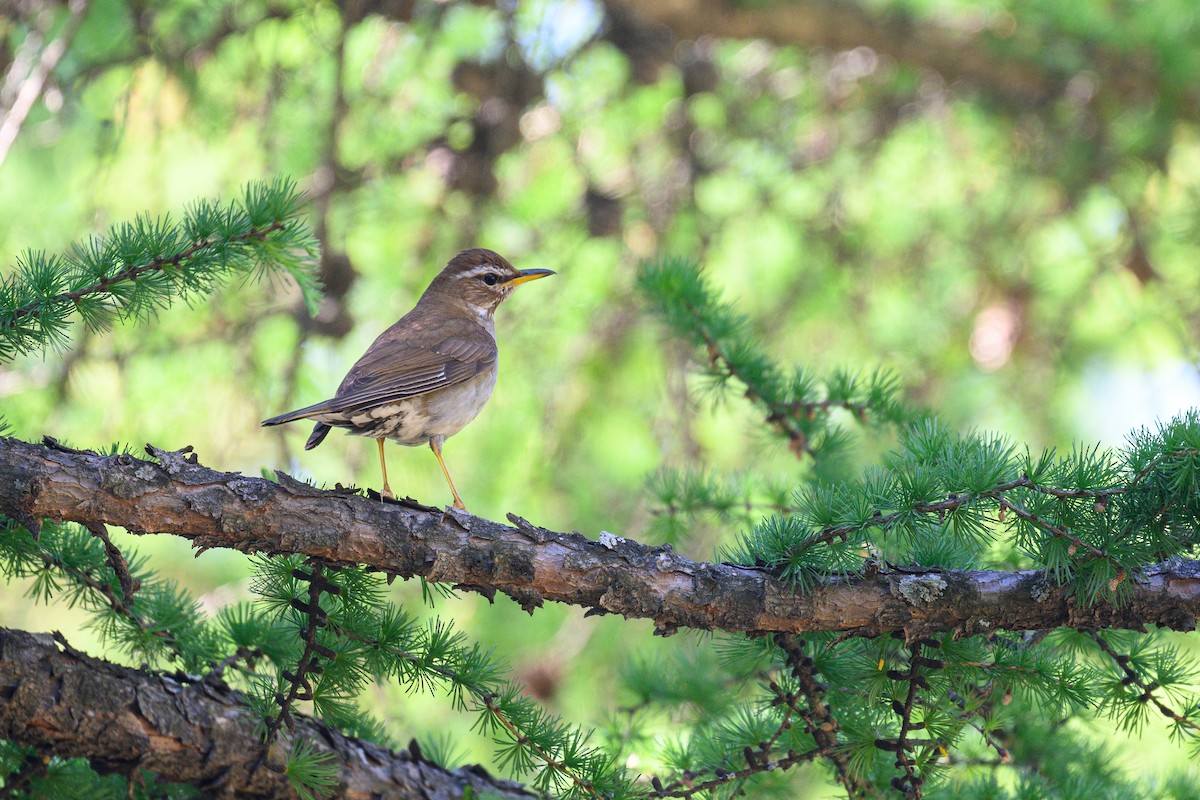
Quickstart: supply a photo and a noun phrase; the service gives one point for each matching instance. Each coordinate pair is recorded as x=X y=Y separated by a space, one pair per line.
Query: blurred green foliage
x=1024 y=263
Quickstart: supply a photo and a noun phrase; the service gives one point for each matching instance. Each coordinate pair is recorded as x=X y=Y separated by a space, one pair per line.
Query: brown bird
x=430 y=374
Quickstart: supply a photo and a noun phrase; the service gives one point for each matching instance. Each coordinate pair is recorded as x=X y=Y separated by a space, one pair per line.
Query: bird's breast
x=445 y=412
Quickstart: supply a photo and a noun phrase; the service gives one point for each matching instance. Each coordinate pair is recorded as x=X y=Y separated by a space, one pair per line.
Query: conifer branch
x=792 y=406
x=102 y=581
x=724 y=778
x=818 y=718
x=762 y=752
x=492 y=699
x=912 y=782
x=197 y=732
x=1002 y=754
x=955 y=502
x=300 y=682
x=143 y=266
x=583 y=786
x=1149 y=689
x=1076 y=543
x=106 y=284
x=532 y=565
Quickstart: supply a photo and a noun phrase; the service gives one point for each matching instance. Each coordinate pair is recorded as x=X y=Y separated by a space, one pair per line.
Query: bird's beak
x=527 y=275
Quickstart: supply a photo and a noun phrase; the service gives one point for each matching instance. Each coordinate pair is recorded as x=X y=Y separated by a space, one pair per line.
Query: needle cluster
x=907 y=715
x=141 y=267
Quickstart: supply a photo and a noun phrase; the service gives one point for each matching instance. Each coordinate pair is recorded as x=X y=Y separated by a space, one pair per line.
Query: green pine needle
x=141 y=267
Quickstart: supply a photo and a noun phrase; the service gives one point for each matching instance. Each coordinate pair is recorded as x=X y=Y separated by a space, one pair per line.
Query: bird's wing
x=393 y=369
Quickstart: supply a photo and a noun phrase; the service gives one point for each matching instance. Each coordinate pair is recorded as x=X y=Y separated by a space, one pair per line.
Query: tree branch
x=194 y=732
x=179 y=496
x=12 y=116
x=1016 y=74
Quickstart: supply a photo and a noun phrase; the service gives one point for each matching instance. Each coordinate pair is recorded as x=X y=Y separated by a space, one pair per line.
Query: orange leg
x=435 y=444
x=387 y=490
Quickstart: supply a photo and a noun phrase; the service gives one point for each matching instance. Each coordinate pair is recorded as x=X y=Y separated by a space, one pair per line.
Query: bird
x=430 y=374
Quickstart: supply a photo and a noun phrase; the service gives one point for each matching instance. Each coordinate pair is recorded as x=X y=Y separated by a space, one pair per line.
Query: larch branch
x=177 y=495
x=197 y=732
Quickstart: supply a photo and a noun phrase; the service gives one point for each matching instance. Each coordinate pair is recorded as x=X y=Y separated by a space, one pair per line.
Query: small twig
x=13 y=117
x=1002 y=753
x=243 y=653
x=299 y=683
x=487 y=698
x=786 y=762
x=967 y=717
x=819 y=721
x=758 y=760
x=778 y=418
x=956 y=501
x=1148 y=689
x=1154 y=462
x=548 y=759
x=1053 y=530
x=95 y=584
x=117 y=561
x=912 y=782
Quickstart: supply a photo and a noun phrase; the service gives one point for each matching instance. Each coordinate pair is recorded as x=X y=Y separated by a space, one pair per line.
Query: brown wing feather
x=393 y=368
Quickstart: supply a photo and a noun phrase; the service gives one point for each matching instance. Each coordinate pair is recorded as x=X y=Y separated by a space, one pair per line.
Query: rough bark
x=197 y=732
x=176 y=495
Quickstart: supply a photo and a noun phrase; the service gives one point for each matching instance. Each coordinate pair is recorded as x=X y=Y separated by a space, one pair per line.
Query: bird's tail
x=308 y=412
x=320 y=430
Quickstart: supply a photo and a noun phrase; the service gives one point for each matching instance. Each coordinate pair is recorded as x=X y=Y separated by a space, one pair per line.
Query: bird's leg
x=387 y=490
x=435 y=444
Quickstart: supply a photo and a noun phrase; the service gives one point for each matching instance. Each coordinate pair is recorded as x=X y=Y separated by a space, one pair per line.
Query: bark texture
x=200 y=733
x=178 y=496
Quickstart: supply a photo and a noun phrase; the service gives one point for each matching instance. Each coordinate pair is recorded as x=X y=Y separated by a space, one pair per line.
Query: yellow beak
x=528 y=275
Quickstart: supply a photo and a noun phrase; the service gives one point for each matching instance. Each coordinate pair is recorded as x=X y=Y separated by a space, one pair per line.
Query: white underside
x=416 y=420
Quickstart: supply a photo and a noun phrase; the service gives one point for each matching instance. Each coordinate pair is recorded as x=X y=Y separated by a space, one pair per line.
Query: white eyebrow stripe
x=482 y=269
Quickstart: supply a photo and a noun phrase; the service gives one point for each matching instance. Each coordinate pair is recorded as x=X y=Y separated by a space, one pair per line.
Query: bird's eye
x=491 y=279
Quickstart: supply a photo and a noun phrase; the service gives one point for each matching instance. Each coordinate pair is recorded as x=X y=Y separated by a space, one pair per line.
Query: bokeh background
x=997 y=201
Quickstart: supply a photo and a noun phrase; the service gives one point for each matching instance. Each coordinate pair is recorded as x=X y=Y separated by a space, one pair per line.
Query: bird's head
x=483 y=279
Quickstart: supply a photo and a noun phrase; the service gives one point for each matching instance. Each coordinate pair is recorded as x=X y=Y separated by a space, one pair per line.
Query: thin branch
x=101 y=587
x=487 y=700
x=784 y=762
x=300 y=681
x=780 y=418
x=133 y=271
x=1148 y=689
x=818 y=719
x=957 y=501
x=758 y=760
x=544 y=755
x=12 y=118
x=1054 y=530
x=116 y=560
x=912 y=782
